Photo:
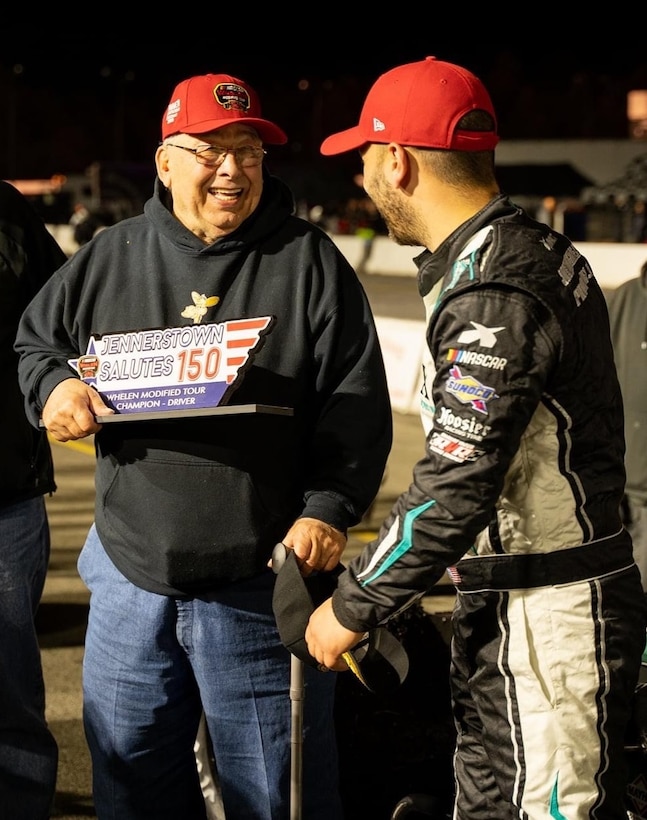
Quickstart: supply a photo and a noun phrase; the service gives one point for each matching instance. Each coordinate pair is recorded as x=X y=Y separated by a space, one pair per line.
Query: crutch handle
x=279 y=554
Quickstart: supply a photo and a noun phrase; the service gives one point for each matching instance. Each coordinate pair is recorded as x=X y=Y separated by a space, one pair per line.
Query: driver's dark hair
x=465 y=169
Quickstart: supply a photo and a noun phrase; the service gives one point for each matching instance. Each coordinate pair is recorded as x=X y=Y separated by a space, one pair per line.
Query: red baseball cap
x=419 y=104
x=211 y=101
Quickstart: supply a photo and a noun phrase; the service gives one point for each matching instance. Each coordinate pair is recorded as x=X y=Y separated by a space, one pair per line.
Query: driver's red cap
x=419 y=104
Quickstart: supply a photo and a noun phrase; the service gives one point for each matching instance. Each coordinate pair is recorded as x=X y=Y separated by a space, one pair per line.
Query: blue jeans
x=152 y=663
x=28 y=750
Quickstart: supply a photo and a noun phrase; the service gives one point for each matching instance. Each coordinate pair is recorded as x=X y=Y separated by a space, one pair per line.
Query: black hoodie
x=28 y=257
x=187 y=505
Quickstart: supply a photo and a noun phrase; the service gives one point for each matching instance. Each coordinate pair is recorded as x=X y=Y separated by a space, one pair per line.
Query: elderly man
x=224 y=355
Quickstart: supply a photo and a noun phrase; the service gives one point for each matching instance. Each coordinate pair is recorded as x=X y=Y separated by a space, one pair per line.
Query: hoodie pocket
x=188 y=523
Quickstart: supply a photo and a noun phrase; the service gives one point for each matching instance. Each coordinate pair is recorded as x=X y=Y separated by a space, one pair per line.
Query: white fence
x=612 y=263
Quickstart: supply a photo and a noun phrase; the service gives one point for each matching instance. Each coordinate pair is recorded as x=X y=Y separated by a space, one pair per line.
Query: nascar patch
x=478 y=359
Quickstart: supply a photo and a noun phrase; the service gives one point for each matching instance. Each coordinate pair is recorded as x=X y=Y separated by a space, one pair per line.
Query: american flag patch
x=454 y=575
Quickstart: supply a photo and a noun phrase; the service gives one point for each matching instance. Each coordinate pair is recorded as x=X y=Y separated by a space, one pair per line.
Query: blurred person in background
x=628 y=318
x=28 y=751
x=518 y=492
x=189 y=509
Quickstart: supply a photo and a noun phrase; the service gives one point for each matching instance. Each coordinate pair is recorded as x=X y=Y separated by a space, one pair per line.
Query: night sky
x=77 y=91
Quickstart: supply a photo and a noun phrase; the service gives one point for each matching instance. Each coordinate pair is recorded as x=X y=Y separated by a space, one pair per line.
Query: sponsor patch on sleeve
x=469 y=390
x=452 y=448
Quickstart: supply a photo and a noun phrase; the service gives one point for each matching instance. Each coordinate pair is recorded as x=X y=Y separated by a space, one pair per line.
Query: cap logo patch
x=378 y=125
x=232 y=96
x=172 y=111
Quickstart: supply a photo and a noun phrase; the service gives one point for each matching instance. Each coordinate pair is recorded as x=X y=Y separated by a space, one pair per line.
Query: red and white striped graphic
x=241 y=337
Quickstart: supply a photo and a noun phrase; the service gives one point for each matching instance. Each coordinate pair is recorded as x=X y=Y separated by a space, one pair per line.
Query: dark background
x=75 y=93
x=90 y=84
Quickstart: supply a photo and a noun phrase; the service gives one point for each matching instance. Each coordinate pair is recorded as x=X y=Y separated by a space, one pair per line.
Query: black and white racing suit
x=517 y=496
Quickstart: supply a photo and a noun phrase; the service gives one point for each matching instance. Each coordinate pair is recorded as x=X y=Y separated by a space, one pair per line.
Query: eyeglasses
x=247 y=156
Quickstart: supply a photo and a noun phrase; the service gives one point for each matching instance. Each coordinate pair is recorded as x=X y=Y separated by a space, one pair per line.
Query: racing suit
x=518 y=497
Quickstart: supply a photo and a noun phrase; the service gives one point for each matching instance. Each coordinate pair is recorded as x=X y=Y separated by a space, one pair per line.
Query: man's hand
x=327 y=639
x=71 y=408
x=317 y=546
